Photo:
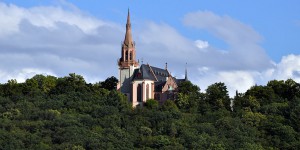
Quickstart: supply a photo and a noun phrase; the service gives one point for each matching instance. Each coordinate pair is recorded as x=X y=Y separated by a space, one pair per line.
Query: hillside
x=47 y=112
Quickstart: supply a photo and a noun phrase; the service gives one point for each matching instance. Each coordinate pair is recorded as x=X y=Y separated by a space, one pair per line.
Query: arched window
x=126 y=55
x=130 y=56
x=139 y=93
x=147 y=91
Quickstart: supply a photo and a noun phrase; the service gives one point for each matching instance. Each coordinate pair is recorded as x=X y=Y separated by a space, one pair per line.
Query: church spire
x=128 y=48
x=128 y=36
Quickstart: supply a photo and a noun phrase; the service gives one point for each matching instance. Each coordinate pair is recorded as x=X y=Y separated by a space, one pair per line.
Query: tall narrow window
x=126 y=55
x=139 y=93
x=147 y=91
x=130 y=56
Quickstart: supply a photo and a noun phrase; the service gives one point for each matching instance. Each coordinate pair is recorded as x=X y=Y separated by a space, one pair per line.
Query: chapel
x=142 y=82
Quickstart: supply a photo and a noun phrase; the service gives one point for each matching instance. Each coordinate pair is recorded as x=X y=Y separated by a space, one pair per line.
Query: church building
x=142 y=82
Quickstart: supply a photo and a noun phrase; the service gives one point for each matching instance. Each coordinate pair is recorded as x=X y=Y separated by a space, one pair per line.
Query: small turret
x=186 y=77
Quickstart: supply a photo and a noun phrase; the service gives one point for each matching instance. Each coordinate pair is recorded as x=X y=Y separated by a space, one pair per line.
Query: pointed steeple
x=128 y=48
x=128 y=36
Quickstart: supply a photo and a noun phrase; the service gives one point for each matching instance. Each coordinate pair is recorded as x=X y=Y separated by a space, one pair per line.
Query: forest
x=47 y=112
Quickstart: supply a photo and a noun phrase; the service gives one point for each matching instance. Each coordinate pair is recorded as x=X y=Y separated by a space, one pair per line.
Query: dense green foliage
x=46 y=112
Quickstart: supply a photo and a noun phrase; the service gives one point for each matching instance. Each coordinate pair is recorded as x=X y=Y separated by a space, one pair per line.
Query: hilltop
x=47 y=112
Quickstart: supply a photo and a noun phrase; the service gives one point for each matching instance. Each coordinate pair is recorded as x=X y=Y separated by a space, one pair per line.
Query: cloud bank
x=57 y=40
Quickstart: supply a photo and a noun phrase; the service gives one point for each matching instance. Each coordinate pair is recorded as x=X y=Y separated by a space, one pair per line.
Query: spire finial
x=166 y=68
x=128 y=17
x=185 y=78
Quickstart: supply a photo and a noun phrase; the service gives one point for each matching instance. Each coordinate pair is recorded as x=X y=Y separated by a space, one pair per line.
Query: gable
x=170 y=85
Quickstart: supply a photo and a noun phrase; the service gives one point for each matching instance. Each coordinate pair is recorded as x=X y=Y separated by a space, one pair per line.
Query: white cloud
x=243 y=41
x=234 y=80
x=203 y=70
x=56 y=40
x=201 y=44
x=242 y=65
x=48 y=17
x=153 y=34
x=60 y=39
x=23 y=74
x=289 y=67
x=223 y=27
x=242 y=80
x=163 y=42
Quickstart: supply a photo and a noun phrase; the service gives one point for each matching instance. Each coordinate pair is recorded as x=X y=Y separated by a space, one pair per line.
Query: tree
x=117 y=100
x=250 y=102
x=264 y=94
x=279 y=87
x=188 y=96
x=75 y=80
x=12 y=88
x=151 y=104
x=110 y=83
x=182 y=101
x=169 y=105
x=71 y=83
x=294 y=89
x=252 y=119
x=45 y=83
x=217 y=96
x=46 y=112
x=295 y=118
x=187 y=87
x=30 y=87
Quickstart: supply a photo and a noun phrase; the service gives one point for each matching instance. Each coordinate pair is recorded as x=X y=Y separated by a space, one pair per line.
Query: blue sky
x=241 y=43
x=277 y=21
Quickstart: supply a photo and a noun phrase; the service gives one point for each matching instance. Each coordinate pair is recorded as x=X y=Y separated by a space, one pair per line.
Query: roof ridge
x=174 y=79
x=157 y=68
x=152 y=72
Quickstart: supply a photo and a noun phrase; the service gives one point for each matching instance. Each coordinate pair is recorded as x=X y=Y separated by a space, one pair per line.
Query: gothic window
x=139 y=93
x=126 y=55
x=130 y=56
x=147 y=91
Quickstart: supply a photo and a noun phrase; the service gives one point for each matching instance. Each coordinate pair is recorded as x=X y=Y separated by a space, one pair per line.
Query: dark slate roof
x=144 y=72
x=160 y=74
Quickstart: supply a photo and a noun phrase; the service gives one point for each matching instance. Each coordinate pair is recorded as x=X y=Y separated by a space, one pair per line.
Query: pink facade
x=144 y=82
